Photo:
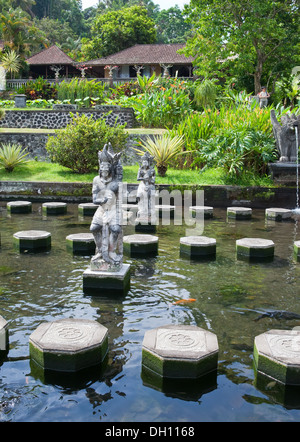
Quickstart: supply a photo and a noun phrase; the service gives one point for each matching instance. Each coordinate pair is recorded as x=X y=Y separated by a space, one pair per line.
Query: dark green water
x=230 y=294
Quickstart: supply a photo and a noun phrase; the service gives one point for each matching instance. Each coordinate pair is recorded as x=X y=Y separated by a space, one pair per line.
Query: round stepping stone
x=87 y=209
x=180 y=351
x=32 y=240
x=297 y=250
x=255 y=247
x=3 y=335
x=140 y=244
x=54 y=208
x=81 y=243
x=19 y=207
x=197 y=246
x=277 y=355
x=206 y=211
x=164 y=210
x=239 y=212
x=278 y=214
x=69 y=345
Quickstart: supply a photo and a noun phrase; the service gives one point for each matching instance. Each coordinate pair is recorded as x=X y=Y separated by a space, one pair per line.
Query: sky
x=164 y=4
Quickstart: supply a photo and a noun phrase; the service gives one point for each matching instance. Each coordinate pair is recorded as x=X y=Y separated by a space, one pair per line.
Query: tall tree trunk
x=258 y=73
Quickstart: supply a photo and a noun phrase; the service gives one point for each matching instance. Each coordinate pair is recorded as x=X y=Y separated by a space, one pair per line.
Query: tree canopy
x=257 y=37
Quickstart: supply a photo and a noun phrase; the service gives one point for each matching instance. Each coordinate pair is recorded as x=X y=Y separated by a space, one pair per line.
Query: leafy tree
x=234 y=37
x=171 y=26
x=117 y=30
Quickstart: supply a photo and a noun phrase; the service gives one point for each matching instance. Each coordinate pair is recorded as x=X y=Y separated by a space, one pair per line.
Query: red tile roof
x=145 y=54
x=50 y=56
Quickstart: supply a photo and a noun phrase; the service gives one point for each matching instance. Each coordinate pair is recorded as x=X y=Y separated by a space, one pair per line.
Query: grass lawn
x=52 y=172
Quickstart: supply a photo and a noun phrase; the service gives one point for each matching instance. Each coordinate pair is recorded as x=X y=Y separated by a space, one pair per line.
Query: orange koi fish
x=184 y=301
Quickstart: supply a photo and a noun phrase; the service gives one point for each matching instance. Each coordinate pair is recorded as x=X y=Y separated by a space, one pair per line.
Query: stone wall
x=54 y=119
x=35 y=145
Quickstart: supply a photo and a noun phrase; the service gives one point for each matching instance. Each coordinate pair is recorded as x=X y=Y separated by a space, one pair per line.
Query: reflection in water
x=229 y=295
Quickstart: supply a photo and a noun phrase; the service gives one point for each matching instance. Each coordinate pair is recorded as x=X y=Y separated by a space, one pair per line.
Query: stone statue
x=285 y=136
x=146 y=190
x=106 y=225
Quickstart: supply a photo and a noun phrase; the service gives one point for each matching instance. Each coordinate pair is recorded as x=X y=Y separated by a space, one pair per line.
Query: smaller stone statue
x=106 y=225
x=285 y=136
x=146 y=191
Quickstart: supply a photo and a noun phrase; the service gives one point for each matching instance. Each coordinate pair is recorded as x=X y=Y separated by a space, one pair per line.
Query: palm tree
x=11 y=62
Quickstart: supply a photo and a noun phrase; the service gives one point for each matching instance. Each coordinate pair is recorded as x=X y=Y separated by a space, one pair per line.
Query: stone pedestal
x=180 y=351
x=20 y=100
x=98 y=282
x=69 y=345
x=197 y=247
x=256 y=248
x=278 y=214
x=277 y=355
x=32 y=240
x=4 y=339
x=239 y=213
x=81 y=243
x=284 y=173
x=140 y=245
x=54 y=208
x=19 y=207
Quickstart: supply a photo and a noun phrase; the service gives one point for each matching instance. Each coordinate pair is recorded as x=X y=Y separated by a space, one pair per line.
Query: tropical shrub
x=39 y=88
x=164 y=149
x=77 y=146
x=81 y=91
x=11 y=156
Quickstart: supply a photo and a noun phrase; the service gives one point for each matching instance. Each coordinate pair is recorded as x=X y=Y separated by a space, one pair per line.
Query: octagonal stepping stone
x=165 y=211
x=81 y=243
x=255 y=248
x=3 y=335
x=297 y=250
x=19 y=207
x=277 y=355
x=32 y=240
x=206 y=211
x=278 y=214
x=239 y=213
x=180 y=351
x=197 y=246
x=87 y=209
x=140 y=244
x=69 y=345
x=54 y=208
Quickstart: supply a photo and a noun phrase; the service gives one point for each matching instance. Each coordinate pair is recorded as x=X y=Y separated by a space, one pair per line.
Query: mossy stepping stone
x=32 y=240
x=81 y=243
x=180 y=351
x=277 y=355
x=19 y=207
x=140 y=244
x=69 y=345
x=297 y=250
x=205 y=211
x=165 y=211
x=54 y=208
x=87 y=209
x=197 y=246
x=255 y=248
x=239 y=213
x=278 y=214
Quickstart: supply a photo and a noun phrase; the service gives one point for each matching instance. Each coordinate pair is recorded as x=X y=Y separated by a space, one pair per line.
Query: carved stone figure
x=285 y=136
x=146 y=190
x=106 y=225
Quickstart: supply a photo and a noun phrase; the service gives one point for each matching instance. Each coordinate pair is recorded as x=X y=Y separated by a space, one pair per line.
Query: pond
x=230 y=295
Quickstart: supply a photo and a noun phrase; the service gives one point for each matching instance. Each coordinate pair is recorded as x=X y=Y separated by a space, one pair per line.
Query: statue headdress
x=107 y=155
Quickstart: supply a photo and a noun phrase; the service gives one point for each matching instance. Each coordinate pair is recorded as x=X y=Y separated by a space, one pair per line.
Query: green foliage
x=77 y=146
x=81 y=91
x=164 y=149
x=39 y=88
x=11 y=156
x=10 y=60
x=116 y=30
x=206 y=93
